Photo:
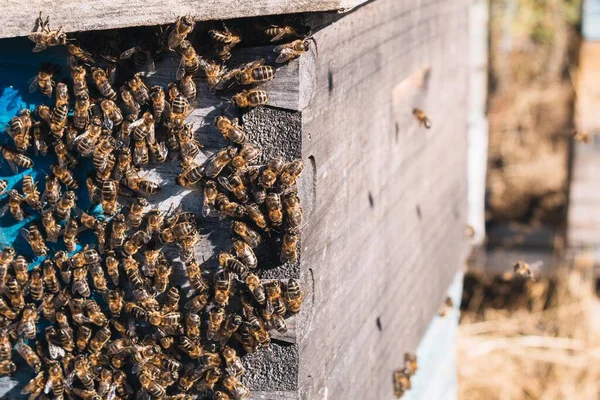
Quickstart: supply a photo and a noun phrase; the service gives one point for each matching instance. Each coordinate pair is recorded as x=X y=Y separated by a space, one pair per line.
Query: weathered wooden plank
x=76 y=15
x=384 y=235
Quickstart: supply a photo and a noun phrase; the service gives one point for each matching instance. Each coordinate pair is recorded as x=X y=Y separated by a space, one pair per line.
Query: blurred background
x=535 y=99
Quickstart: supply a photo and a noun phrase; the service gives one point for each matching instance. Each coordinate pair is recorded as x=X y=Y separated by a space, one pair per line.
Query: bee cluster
x=116 y=322
x=402 y=376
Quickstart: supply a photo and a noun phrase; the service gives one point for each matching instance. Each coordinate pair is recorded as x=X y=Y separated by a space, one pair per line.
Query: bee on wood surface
x=140 y=153
x=136 y=242
x=236 y=186
x=250 y=98
x=224 y=40
x=410 y=364
x=210 y=195
x=293 y=296
x=293 y=211
x=43 y=37
x=159 y=102
x=80 y=87
x=29 y=355
x=229 y=263
x=274 y=208
x=229 y=208
x=190 y=61
x=401 y=383
x=289 y=246
x=102 y=83
x=219 y=161
x=141 y=185
x=275 y=296
x=256 y=287
x=252 y=238
x=183 y=27
x=112 y=114
x=422 y=118
x=136 y=212
x=254 y=72
x=278 y=32
x=30 y=192
x=525 y=270
x=80 y=284
x=187 y=87
x=290 y=173
x=191 y=173
x=230 y=129
x=155 y=220
x=215 y=319
x=268 y=176
x=139 y=89
x=124 y=161
x=291 y=51
x=15 y=160
x=36 y=241
x=112 y=266
x=19 y=129
x=143 y=128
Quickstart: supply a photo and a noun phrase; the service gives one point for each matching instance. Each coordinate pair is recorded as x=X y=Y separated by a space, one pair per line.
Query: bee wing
x=112 y=393
x=225 y=183
x=86 y=56
x=279 y=36
x=25 y=233
x=285 y=54
x=134 y=125
x=9 y=131
x=34 y=84
x=151 y=66
x=70 y=379
x=128 y=53
x=151 y=139
x=180 y=69
x=108 y=123
x=55 y=351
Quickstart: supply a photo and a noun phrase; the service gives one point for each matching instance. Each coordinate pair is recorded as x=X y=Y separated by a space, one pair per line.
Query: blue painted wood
x=591 y=20
x=436 y=378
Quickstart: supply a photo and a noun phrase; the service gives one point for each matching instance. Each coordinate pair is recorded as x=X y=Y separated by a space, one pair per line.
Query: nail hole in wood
x=330 y=80
x=397 y=135
x=379 y=326
x=419 y=215
x=371 y=201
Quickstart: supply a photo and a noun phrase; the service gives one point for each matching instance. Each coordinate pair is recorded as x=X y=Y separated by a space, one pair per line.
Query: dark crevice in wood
x=378 y=322
x=419 y=214
x=371 y=201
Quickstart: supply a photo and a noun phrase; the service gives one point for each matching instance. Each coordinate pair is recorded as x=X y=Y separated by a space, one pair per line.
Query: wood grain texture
x=384 y=236
x=88 y=15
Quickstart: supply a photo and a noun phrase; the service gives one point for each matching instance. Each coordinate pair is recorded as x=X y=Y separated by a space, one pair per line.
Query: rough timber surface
x=85 y=15
x=385 y=235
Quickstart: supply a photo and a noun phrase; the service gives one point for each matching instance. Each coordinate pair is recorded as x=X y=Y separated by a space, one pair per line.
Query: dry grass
x=531 y=340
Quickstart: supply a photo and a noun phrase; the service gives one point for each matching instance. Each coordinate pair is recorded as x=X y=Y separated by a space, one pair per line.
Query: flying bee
x=133 y=106
x=104 y=87
x=36 y=241
x=19 y=129
x=112 y=113
x=237 y=389
x=65 y=176
x=141 y=185
x=582 y=137
x=256 y=215
x=236 y=186
x=422 y=118
x=215 y=319
x=62 y=94
x=291 y=51
x=159 y=103
x=183 y=26
x=254 y=72
x=15 y=160
x=230 y=129
x=224 y=40
x=29 y=355
x=190 y=61
x=43 y=80
x=410 y=364
x=187 y=86
x=274 y=208
x=139 y=89
x=250 y=98
x=232 y=264
x=269 y=175
x=65 y=205
x=43 y=37
x=252 y=238
x=191 y=173
x=31 y=194
x=219 y=161
x=401 y=383
x=229 y=208
x=289 y=247
x=256 y=287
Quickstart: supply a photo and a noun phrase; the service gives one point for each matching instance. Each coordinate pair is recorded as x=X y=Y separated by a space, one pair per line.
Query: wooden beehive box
x=385 y=200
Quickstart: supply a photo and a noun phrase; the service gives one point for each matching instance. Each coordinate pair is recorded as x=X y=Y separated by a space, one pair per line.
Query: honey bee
x=446 y=307
x=49 y=307
x=256 y=215
x=136 y=311
x=43 y=80
x=15 y=160
x=183 y=26
x=135 y=242
x=214 y=74
x=274 y=208
x=236 y=186
x=422 y=118
x=65 y=176
x=218 y=395
x=98 y=279
x=250 y=98
x=104 y=87
x=219 y=161
x=81 y=112
x=257 y=329
x=232 y=361
x=254 y=72
x=39 y=139
x=20 y=267
x=79 y=53
x=110 y=191
x=14 y=205
x=123 y=389
x=229 y=208
x=123 y=163
x=139 y=89
x=70 y=235
x=172 y=300
x=112 y=266
x=293 y=211
x=32 y=359
x=230 y=129
x=80 y=284
x=5 y=346
x=229 y=327
x=191 y=173
x=238 y=390
x=15 y=295
x=7 y=367
x=3 y=185
x=117 y=235
x=161 y=281
x=232 y=264
x=143 y=128
x=43 y=37
x=224 y=41
x=85 y=257
x=64 y=267
x=401 y=383
x=35 y=386
x=36 y=241
x=291 y=51
x=141 y=185
x=252 y=238
x=523 y=269
x=85 y=143
x=136 y=212
x=44 y=112
x=79 y=82
x=133 y=106
x=192 y=325
x=62 y=94
x=289 y=247
x=274 y=296
x=51 y=191
x=210 y=195
x=140 y=153
x=215 y=319
x=58 y=120
x=277 y=32
x=65 y=205
x=155 y=221
x=268 y=176
x=50 y=277
x=197 y=303
x=179 y=105
x=30 y=316
x=100 y=339
x=19 y=130
x=190 y=61
x=187 y=86
x=65 y=159
x=256 y=287
x=247 y=154
x=582 y=137
x=159 y=103
x=31 y=194
x=112 y=113
x=293 y=296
